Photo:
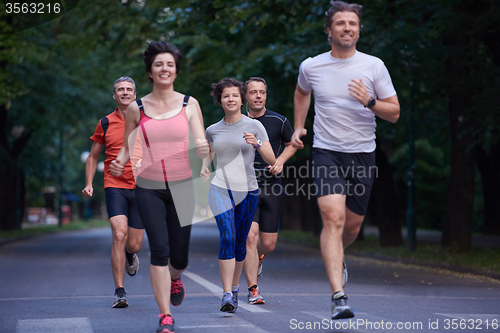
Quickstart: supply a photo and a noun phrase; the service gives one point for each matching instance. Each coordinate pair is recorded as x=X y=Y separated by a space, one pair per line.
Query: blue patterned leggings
x=233 y=212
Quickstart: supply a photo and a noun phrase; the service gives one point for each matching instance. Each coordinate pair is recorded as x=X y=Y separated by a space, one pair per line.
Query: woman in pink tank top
x=157 y=131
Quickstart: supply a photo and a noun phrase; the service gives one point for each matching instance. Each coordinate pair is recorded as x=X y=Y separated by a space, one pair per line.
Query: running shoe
x=259 y=270
x=166 y=324
x=340 y=309
x=132 y=263
x=177 y=292
x=345 y=275
x=120 y=299
x=253 y=295
x=228 y=303
x=235 y=298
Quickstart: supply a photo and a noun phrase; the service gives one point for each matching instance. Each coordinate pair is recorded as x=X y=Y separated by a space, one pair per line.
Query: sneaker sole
x=165 y=330
x=176 y=304
x=257 y=301
x=120 y=304
x=347 y=313
x=132 y=273
x=228 y=307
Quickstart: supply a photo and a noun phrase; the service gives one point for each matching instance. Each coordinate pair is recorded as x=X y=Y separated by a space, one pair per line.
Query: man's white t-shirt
x=341 y=123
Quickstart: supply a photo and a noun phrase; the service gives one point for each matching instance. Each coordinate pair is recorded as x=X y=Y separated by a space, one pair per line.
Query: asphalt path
x=62 y=283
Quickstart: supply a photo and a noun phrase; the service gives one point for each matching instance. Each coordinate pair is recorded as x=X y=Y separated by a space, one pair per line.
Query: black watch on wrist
x=371 y=103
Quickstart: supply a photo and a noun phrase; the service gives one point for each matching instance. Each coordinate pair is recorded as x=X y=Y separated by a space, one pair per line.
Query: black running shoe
x=166 y=324
x=131 y=263
x=177 y=292
x=340 y=309
x=120 y=299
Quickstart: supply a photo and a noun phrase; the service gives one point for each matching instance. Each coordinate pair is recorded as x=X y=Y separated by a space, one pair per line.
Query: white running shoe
x=131 y=263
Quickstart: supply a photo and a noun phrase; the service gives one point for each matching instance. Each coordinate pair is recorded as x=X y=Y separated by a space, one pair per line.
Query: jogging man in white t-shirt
x=350 y=89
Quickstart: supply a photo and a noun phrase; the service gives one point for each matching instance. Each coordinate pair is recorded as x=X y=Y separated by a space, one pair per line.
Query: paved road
x=62 y=283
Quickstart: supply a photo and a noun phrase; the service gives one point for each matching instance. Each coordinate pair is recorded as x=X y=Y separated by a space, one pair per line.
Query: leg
x=227 y=268
x=135 y=225
x=134 y=241
x=160 y=281
x=267 y=242
x=333 y=213
x=153 y=212
x=119 y=230
x=222 y=205
x=180 y=235
x=238 y=267
x=270 y=202
x=352 y=227
x=252 y=258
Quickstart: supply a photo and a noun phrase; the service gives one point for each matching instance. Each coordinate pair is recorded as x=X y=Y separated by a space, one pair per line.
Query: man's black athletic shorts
x=268 y=214
x=121 y=201
x=350 y=174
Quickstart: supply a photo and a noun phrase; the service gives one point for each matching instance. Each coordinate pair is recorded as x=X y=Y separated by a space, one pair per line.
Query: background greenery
x=444 y=58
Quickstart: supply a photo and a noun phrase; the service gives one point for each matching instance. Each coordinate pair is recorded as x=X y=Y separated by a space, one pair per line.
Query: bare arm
x=301 y=103
x=205 y=171
x=265 y=150
x=195 y=118
x=282 y=158
x=131 y=122
x=90 y=168
x=387 y=108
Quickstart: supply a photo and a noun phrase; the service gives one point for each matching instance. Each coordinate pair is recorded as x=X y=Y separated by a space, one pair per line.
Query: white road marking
x=56 y=325
x=217 y=291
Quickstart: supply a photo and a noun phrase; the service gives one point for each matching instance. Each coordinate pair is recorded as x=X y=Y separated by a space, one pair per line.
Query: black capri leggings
x=159 y=214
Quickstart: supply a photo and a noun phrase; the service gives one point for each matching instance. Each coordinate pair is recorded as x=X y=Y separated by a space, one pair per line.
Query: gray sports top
x=235 y=157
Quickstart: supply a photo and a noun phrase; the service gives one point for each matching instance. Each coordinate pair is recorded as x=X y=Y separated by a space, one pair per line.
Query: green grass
x=478 y=258
x=44 y=229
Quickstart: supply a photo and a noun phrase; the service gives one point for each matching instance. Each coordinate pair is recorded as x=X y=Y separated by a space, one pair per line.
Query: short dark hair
x=227 y=82
x=155 y=48
x=255 y=79
x=341 y=6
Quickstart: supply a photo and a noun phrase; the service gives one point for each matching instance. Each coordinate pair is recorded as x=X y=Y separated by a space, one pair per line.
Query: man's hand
x=88 y=191
x=296 y=141
x=276 y=168
x=358 y=90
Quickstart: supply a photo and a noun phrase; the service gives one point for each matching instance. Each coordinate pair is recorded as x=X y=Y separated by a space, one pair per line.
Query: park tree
x=454 y=66
x=57 y=81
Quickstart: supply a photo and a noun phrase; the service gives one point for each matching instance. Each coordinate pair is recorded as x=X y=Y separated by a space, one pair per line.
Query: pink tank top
x=164 y=145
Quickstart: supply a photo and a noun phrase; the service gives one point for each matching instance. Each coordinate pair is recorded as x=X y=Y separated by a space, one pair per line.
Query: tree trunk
x=457 y=229
x=300 y=208
x=488 y=165
x=9 y=193
x=12 y=192
x=383 y=203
